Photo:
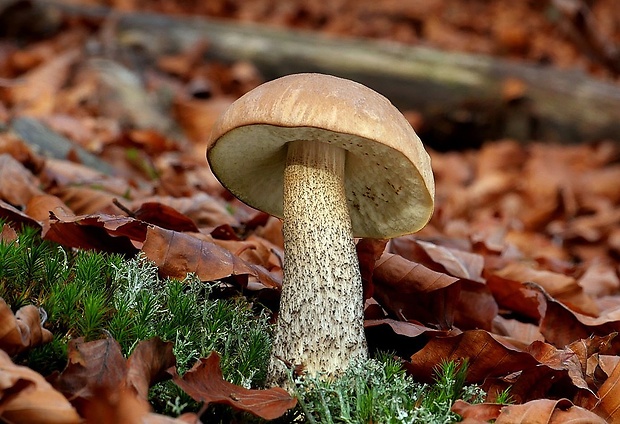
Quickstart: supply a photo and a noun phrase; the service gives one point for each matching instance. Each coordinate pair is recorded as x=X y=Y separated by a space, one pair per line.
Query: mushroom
x=333 y=159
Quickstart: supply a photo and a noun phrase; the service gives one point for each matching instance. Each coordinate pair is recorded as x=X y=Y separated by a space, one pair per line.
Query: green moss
x=92 y=295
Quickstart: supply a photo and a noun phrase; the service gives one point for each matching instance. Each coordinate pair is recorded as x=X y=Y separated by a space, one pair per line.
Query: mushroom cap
x=388 y=177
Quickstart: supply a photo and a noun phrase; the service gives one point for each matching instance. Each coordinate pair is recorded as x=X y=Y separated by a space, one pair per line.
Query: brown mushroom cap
x=388 y=177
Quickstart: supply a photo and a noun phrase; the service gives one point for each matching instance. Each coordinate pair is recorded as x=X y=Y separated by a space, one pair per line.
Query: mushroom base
x=320 y=324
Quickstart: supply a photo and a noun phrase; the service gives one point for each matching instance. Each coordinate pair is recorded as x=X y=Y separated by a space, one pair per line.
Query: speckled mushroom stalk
x=320 y=323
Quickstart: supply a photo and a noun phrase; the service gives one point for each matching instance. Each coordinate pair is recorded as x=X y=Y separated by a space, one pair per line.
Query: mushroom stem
x=320 y=323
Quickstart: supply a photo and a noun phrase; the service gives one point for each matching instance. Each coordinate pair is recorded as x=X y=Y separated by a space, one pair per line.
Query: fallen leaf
x=107 y=389
x=17 y=184
x=205 y=211
x=368 y=253
x=205 y=383
x=487 y=356
x=600 y=279
x=40 y=206
x=525 y=333
x=15 y=216
x=404 y=338
x=36 y=89
x=411 y=291
x=88 y=199
x=147 y=364
x=476 y=307
x=482 y=412
x=515 y=296
x=91 y=366
x=560 y=286
x=450 y=256
x=101 y=232
x=164 y=216
x=25 y=397
x=561 y=326
x=177 y=254
x=456 y=262
x=547 y=411
x=21 y=331
x=114 y=405
x=609 y=394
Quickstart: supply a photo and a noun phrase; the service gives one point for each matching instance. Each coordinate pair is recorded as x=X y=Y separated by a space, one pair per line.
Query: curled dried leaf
x=205 y=383
x=21 y=331
x=25 y=397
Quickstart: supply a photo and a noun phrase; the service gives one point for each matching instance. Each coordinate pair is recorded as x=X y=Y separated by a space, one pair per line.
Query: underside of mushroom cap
x=388 y=177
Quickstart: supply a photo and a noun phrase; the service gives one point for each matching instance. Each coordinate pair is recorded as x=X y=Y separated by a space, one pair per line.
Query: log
x=459 y=95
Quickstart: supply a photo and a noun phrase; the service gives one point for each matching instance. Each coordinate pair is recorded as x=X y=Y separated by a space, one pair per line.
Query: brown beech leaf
x=452 y=261
x=531 y=383
x=488 y=357
x=518 y=331
x=121 y=405
x=609 y=394
x=114 y=405
x=147 y=365
x=396 y=270
x=186 y=418
x=408 y=329
x=39 y=86
x=21 y=331
x=481 y=412
x=17 y=184
x=25 y=397
x=547 y=411
x=411 y=291
x=476 y=307
x=253 y=250
x=205 y=383
x=14 y=215
x=557 y=374
x=457 y=263
x=268 y=255
x=86 y=200
x=574 y=373
x=516 y=296
x=562 y=326
x=164 y=216
x=177 y=254
x=368 y=252
x=12 y=144
x=608 y=363
x=584 y=349
x=203 y=210
x=600 y=279
x=40 y=206
x=107 y=389
x=107 y=233
x=271 y=230
x=549 y=355
x=560 y=286
x=404 y=338
x=91 y=366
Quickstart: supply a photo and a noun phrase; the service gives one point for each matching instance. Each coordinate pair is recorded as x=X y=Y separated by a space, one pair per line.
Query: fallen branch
x=472 y=92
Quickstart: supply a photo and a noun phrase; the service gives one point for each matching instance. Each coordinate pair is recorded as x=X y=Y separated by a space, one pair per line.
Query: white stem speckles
x=320 y=324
